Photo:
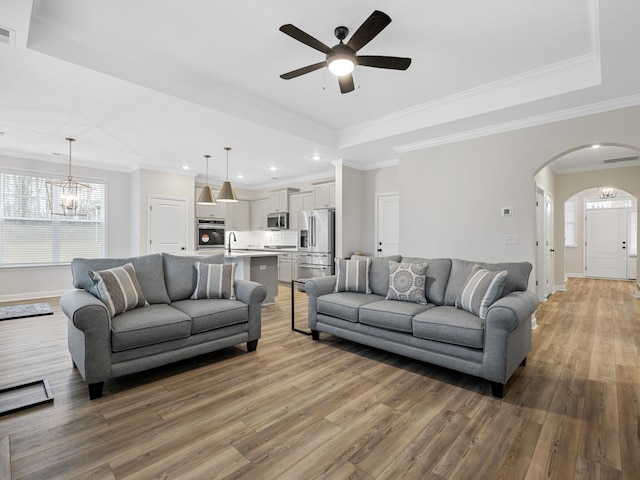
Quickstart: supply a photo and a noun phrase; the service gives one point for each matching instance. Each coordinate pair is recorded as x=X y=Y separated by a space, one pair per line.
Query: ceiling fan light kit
x=341 y=59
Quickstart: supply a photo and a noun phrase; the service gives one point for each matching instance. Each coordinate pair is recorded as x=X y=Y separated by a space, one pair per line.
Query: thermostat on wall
x=507 y=211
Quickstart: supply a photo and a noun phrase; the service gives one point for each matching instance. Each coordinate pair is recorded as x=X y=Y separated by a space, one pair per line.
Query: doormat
x=25 y=310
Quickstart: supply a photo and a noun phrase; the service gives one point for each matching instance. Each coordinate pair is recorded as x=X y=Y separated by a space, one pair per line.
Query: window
x=570 y=223
x=29 y=235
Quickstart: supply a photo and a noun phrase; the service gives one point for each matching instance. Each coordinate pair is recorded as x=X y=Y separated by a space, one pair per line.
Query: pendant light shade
x=206 y=195
x=67 y=197
x=226 y=193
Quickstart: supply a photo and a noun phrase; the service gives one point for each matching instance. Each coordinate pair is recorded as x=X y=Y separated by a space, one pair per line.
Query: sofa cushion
x=147 y=326
x=118 y=288
x=180 y=273
x=437 y=277
x=214 y=281
x=407 y=282
x=352 y=275
x=482 y=288
x=517 y=277
x=391 y=315
x=211 y=314
x=449 y=325
x=379 y=274
x=149 y=270
x=345 y=305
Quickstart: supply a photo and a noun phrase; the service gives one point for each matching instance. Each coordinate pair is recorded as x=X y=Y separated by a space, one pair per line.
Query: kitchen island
x=261 y=267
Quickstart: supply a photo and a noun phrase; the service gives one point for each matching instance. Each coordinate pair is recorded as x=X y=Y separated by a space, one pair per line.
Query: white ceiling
x=158 y=84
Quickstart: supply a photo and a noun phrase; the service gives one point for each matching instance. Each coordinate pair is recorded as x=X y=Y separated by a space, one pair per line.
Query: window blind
x=30 y=235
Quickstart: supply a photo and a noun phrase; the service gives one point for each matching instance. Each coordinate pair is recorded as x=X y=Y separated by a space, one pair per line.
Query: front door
x=606 y=248
x=167 y=225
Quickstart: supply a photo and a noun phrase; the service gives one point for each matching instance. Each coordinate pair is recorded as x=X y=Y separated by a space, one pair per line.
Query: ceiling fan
x=342 y=59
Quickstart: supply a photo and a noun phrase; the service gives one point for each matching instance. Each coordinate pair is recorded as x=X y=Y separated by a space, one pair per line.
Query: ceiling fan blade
x=303 y=70
x=346 y=83
x=295 y=32
x=394 y=63
x=371 y=27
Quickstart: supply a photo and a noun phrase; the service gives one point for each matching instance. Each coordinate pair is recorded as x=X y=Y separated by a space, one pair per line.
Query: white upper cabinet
x=238 y=215
x=278 y=201
x=259 y=212
x=297 y=203
x=324 y=195
x=209 y=211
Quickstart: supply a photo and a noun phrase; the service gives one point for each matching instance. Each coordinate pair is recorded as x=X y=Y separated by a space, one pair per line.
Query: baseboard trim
x=559 y=288
x=31 y=296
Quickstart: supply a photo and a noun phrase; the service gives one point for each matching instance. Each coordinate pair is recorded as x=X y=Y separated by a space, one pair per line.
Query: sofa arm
x=316 y=287
x=508 y=335
x=89 y=334
x=250 y=292
x=253 y=294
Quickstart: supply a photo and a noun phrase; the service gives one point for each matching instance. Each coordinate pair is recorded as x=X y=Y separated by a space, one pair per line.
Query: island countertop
x=235 y=253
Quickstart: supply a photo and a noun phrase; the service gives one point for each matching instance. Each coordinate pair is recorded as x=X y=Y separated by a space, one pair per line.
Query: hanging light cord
x=70 y=140
x=227 y=149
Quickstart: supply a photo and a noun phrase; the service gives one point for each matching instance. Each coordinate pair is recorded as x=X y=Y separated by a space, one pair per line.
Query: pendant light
x=226 y=193
x=206 y=195
x=67 y=197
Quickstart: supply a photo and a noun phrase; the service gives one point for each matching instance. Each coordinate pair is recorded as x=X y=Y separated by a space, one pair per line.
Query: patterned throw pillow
x=352 y=275
x=482 y=288
x=118 y=288
x=407 y=282
x=214 y=280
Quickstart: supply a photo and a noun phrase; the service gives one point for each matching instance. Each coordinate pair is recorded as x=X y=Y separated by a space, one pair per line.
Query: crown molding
x=582 y=111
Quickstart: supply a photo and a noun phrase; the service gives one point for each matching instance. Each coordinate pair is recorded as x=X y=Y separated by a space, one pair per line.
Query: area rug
x=25 y=310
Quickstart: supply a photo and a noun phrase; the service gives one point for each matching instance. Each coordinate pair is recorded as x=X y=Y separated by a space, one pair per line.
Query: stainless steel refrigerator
x=316 y=243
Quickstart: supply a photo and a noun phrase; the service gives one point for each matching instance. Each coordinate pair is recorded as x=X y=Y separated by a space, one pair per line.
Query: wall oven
x=210 y=233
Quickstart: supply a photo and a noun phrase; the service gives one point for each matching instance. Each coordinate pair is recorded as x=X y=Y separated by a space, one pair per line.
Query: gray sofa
x=437 y=332
x=169 y=328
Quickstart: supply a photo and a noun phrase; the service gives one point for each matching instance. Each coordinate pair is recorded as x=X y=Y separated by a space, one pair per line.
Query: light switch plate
x=511 y=239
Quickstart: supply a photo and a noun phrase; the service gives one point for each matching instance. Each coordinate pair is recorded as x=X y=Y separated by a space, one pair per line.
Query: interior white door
x=541 y=287
x=606 y=248
x=167 y=225
x=387 y=225
x=548 y=233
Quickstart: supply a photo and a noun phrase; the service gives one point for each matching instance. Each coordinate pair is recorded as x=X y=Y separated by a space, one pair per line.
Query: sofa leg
x=252 y=345
x=95 y=390
x=497 y=389
x=315 y=334
x=523 y=363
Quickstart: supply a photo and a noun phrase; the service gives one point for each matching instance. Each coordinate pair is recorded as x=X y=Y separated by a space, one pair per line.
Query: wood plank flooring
x=299 y=409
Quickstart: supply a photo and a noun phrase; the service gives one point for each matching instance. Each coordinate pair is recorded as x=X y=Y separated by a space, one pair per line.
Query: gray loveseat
x=170 y=327
x=437 y=332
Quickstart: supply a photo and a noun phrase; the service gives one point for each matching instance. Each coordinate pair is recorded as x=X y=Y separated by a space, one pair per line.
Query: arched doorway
x=578 y=169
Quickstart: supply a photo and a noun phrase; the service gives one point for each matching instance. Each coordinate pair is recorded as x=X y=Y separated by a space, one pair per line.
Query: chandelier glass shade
x=206 y=195
x=226 y=193
x=69 y=198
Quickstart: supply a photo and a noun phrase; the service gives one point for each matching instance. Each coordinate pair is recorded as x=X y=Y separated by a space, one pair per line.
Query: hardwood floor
x=299 y=409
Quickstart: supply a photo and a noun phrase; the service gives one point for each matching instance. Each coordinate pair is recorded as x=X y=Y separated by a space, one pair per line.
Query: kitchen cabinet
x=284 y=268
x=279 y=200
x=238 y=216
x=259 y=212
x=294 y=266
x=297 y=203
x=209 y=211
x=324 y=195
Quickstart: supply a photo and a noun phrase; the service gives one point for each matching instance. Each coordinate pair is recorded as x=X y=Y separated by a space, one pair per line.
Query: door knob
x=380 y=250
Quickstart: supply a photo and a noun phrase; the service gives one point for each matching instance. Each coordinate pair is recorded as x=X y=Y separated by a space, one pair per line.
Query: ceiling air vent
x=623 y=159
x=6 y=36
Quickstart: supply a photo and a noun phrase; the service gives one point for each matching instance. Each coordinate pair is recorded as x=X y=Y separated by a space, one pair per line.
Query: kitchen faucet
x=234 y=239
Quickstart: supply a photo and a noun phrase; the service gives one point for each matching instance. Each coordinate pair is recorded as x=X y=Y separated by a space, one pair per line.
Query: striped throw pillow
x=482 y=288
x=215 y=281
x=352 y=275
x=118 y=288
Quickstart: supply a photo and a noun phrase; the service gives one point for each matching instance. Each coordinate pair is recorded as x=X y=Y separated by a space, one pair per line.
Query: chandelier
x=67 y=197
x=607 y=192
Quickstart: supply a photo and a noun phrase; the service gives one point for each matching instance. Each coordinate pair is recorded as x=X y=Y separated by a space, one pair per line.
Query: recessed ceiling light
x=240 y=175
x=185 y=167
x=316 y=157
x=273 y=169
x=595 y=145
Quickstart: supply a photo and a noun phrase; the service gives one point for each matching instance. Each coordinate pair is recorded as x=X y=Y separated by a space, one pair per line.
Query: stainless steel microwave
x=278 y=221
